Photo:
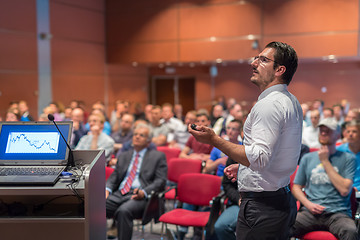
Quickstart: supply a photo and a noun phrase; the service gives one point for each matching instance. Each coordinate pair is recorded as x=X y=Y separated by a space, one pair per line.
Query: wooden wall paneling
x=98 y=5
x=77 y=23
x=225 y=20
x=88 y=88
x=317 y=46
x=18 y=51
x=18 y=15
x=308 y=16
x=77 y=57
x=16 y=86
x=210 y=51
x=147 y=52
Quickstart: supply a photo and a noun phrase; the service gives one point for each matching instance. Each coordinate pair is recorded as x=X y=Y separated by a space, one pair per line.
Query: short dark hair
x=285 y=55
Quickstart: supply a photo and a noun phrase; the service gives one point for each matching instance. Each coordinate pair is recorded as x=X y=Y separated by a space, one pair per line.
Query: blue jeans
x=225 y=226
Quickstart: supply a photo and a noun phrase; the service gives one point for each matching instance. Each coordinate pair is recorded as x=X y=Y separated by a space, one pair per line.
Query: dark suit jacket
x=153 y=171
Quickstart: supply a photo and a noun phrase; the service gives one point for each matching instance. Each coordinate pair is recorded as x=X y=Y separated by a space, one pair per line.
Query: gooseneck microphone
x=70 y=162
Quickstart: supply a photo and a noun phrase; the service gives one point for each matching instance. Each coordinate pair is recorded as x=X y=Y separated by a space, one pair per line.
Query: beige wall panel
x=19 y=86
x=75 y=23
x=88 y=88
x=219 y=21
x=321 y=45
x=145 y=25
x=300 y=16
x=226 y=50
x=144 y=52
x=19 y=15
x=98 y=5
x=18 y=51
x=77 y=57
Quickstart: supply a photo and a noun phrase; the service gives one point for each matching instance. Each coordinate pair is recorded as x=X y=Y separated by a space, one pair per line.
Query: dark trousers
x=124 y=210
x=266 y=218
x=339 y=224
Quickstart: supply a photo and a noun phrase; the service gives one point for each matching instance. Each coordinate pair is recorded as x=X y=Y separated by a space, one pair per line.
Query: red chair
x=169 y=152
x=177 y=167
x=196 y=189
x=314 y=149
x=108 y=172
x=325 y=235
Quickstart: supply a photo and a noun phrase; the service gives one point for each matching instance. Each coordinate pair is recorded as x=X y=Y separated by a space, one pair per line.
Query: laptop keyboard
x=44 y=170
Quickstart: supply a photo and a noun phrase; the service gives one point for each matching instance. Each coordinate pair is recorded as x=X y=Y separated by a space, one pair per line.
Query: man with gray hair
x=352 y=146
x=327 y=177
x=138 y=172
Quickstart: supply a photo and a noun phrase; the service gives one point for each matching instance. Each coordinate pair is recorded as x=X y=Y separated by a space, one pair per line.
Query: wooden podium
x=57 y=212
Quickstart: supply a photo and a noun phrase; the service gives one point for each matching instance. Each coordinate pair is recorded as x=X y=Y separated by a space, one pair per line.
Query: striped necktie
x=131 y=176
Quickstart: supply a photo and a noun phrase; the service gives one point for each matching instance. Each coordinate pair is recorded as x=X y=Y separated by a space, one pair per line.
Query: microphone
x=70 y=162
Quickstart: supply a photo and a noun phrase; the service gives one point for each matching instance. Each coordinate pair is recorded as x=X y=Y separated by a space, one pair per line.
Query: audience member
x=310 y=135
x=121 y=107
x=12 y=115
x=147 y=112
x=181 y=135
x=234 y=113
x=138 y=111
x=67 y=113
x=125 y=132
x=305 y=110
x=194 y=149
x=338 y=113
x=79 y=129
x=353 y=146
x=327 y=177
x=328 y=112
x=229 y=104
x=106 y=127
x=96 y=138
x=178 y=112
x=216 y=113
x=170 y=121
x=56 y=111
x=137 y=174
x=218 y=159
x=225 y=226
x=160 y=130
x=353 y=114
x=24 y=111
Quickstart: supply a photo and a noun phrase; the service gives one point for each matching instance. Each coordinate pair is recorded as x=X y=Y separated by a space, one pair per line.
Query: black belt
x=264 y=194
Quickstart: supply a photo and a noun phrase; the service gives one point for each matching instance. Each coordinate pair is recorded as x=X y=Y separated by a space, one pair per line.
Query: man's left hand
x=138 y=194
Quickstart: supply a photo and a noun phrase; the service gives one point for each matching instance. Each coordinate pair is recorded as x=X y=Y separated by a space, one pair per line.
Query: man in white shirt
x=272 y=143
x=310 y=135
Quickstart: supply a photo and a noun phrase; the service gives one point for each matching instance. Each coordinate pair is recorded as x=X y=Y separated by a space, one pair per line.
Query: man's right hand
x=231 y=172
x=315 y=208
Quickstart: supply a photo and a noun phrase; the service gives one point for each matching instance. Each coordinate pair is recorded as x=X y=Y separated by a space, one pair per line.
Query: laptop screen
x=34 y=142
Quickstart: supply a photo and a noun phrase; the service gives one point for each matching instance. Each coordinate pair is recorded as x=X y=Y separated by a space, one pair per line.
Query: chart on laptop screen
x=32 y=142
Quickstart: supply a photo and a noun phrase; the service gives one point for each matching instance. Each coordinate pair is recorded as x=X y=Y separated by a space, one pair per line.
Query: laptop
x=33 y=153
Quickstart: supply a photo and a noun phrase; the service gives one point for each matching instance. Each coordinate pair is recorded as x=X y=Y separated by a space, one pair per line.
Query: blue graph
x=32 y=142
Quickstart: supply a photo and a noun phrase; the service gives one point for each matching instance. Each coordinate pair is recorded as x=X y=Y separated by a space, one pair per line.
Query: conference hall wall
x=108 y=50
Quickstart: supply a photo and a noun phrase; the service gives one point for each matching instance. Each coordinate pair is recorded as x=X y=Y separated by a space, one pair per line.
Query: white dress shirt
x=272 y=139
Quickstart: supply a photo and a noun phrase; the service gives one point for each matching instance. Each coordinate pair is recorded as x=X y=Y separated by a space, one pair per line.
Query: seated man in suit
x=138 y=172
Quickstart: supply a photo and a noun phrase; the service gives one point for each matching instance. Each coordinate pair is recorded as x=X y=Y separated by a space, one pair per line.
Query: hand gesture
x=138 y=194
x=202 y=134
x=231 y=172
x=323 y=153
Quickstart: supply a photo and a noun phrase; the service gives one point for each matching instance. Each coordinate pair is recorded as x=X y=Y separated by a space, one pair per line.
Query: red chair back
x=169 y=152
x=108 y=172
x=292 y=177
x=197 y=188
x=179 y=166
